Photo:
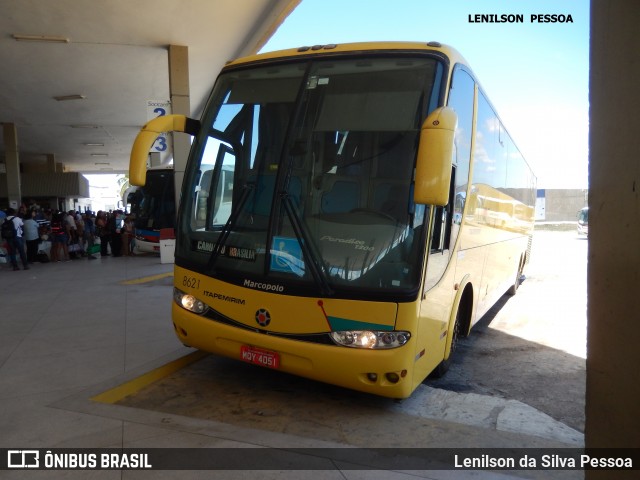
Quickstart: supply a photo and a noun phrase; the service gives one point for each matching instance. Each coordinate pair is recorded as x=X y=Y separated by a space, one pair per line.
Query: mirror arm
x=148 y=135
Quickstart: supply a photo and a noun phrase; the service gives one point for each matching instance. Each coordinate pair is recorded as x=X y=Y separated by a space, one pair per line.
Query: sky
x=535 y=74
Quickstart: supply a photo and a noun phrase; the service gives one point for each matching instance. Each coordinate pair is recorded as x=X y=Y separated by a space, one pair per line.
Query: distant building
x=53 y=190
x=560 y=205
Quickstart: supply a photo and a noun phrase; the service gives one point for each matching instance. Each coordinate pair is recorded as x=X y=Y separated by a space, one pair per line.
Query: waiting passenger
x=31 y=236
x=15 y=242
x=103 y=233
x=59 y=238
x=115 y=237
x=89 y=234
x=128 y=236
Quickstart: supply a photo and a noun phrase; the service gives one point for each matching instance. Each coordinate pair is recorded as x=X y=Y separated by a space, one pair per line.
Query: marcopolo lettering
x=267 y=287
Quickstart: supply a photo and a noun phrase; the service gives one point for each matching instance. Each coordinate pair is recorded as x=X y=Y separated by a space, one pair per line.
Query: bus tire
x=513 y=289
x=443 y=366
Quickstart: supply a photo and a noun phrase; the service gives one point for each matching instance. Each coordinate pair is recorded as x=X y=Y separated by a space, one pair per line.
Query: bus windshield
x=302 y=176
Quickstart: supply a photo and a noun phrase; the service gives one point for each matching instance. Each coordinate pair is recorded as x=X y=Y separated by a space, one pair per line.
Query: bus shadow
x=492 y=362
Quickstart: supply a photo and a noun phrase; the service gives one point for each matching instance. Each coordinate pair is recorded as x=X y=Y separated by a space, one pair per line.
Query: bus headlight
x=370 y=338
x=189 y=302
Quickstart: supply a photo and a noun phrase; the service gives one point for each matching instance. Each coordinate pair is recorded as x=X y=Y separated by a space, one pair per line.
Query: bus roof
x=452 y=54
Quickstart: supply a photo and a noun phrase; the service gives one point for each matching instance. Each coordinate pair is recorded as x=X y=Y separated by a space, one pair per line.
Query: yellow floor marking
x=132 y=386
x=150 y=278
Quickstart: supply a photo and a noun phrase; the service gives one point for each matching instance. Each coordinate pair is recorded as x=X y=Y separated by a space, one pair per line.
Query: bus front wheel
x=444 y=365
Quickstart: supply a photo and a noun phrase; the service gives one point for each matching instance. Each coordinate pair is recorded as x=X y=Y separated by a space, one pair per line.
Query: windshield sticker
x=357 y=244
x=240 y=253
x=286 y=256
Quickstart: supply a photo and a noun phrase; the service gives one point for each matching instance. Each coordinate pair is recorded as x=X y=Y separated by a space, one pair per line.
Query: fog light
x=373 y=377
x=392 y=377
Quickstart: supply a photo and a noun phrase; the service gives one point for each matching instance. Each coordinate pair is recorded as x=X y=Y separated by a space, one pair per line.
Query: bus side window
x=443 y=220
x=202 y=195
x=441 y=237
x=436 y=235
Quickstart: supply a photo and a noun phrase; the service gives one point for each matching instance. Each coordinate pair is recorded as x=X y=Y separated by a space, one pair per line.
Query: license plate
x=258 y=356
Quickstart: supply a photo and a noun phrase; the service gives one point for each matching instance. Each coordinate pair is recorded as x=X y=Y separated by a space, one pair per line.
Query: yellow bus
x=347 y=212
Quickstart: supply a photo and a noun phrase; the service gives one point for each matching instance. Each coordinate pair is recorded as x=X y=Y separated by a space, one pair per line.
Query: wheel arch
x=462 y=304
x=466 y=306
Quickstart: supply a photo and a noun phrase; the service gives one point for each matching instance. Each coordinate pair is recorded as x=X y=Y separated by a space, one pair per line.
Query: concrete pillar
x=12 y=159
x=51 y=163
x=52 y=166
x=180 y=103
x=613 y=335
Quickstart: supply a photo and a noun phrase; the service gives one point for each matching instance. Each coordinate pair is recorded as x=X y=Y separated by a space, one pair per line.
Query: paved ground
x=513 y=364
x=532 y=347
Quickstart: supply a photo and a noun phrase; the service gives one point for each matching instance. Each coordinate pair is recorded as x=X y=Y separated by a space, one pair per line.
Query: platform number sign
x=162 y=145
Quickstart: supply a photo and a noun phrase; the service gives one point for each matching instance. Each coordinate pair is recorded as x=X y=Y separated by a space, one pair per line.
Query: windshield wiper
x=316 y=267
x=231 y=222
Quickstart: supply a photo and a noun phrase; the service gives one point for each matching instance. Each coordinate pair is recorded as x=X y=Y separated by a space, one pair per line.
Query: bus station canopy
x=79 y=76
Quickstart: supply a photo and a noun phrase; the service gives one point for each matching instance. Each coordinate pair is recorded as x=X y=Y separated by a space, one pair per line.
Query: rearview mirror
x=433 y=166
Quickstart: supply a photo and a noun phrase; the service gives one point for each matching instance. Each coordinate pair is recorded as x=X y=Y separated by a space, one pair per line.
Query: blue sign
x=286 y=256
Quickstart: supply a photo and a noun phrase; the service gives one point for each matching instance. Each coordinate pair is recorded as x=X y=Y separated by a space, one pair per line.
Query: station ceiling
x=76 y=76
